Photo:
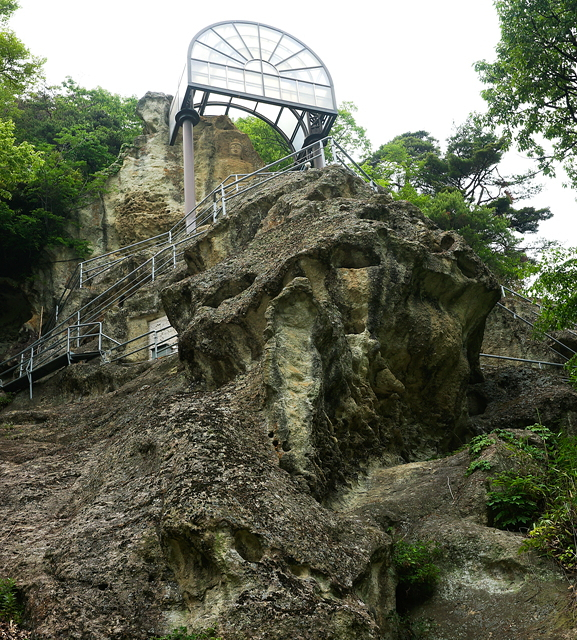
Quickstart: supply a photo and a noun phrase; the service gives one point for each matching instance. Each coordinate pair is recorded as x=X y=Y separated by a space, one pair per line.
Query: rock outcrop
x=142 y=197
x=145 y=197
x=327 y=338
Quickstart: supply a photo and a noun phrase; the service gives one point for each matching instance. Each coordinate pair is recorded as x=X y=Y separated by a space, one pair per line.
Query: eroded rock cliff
x=327 y=338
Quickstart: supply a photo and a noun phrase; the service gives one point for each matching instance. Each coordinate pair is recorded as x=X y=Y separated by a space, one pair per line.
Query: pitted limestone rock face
x=221 y=152
x=326 y=332
x=365 y=321
x=145 y=197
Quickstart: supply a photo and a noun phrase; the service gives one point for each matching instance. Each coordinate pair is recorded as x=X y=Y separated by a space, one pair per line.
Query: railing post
x=214 y=208
x=100 y=337
x=152 y=266
x=80 y=277
x=78 y=330
x=170 y=237
x=155 y=346
x=174 y=256
x=223 y=199
x=30 y=368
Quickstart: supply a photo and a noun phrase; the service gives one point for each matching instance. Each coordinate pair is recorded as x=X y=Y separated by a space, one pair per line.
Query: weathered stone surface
x=366 y=327
x=487 y=586
x=145 y=197
x=506 y=334
x=328 y=335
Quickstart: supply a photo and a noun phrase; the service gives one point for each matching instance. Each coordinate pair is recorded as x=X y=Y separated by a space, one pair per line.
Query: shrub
x=10 y=603
x=540 y=495
x=417 y=572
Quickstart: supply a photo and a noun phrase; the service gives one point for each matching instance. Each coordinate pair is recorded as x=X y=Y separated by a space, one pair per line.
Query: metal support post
x=152 y=268
x=223 y=199
x=80 y=277
x=187 y=118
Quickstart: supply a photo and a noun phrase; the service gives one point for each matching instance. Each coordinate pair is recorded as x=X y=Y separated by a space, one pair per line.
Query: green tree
x=532 y=86
x=488 y=235
x=267 y=141
x=556 y=289
x=271 y=146
x=401 y=161
x=18 y=163
x=19 y=70
x=79 y=133
x=350 y=135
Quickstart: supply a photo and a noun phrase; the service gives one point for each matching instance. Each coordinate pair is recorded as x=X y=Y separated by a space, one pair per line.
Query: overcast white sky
x=406 y=65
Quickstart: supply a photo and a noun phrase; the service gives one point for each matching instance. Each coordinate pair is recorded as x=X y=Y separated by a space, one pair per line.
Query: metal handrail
x=539 y=362
x=167 y=252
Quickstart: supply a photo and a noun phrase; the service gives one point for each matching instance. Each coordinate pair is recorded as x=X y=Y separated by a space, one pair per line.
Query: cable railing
x=167 y=251
x=188 y=227
x=134 y=266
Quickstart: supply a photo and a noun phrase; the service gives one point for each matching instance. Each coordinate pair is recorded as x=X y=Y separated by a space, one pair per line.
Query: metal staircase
x=80 y=336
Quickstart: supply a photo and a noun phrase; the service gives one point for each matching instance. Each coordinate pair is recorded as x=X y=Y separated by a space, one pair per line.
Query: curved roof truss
x=257 y=69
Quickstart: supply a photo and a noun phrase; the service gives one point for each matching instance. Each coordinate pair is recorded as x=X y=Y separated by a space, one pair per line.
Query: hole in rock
x=103 y=586
x=466 y=264
x=477 y=402
x=447 y=242
x=248 y=546
x=300 y=570
x=230 y=289
x=354 y=257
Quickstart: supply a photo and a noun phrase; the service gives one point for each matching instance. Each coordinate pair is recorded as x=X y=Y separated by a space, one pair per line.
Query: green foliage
x=532 y=86
x=555 y=288
x=182 y=634
x=18 y=163
x=541 y=493
x=517 y=499
x=416 y=570
x=479 y=443
x=19 y=70
x=350 y=135
x=10 y=605
x=488 y=235
x=463 y=190
x=271 y=146
x=267 y=142
x=478 y=465
x=77 y=134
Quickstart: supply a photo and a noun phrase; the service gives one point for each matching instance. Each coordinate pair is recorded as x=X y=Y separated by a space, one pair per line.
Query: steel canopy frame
x=257 y=69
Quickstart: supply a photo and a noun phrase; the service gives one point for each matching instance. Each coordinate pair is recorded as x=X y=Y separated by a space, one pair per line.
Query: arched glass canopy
x=260 y=70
